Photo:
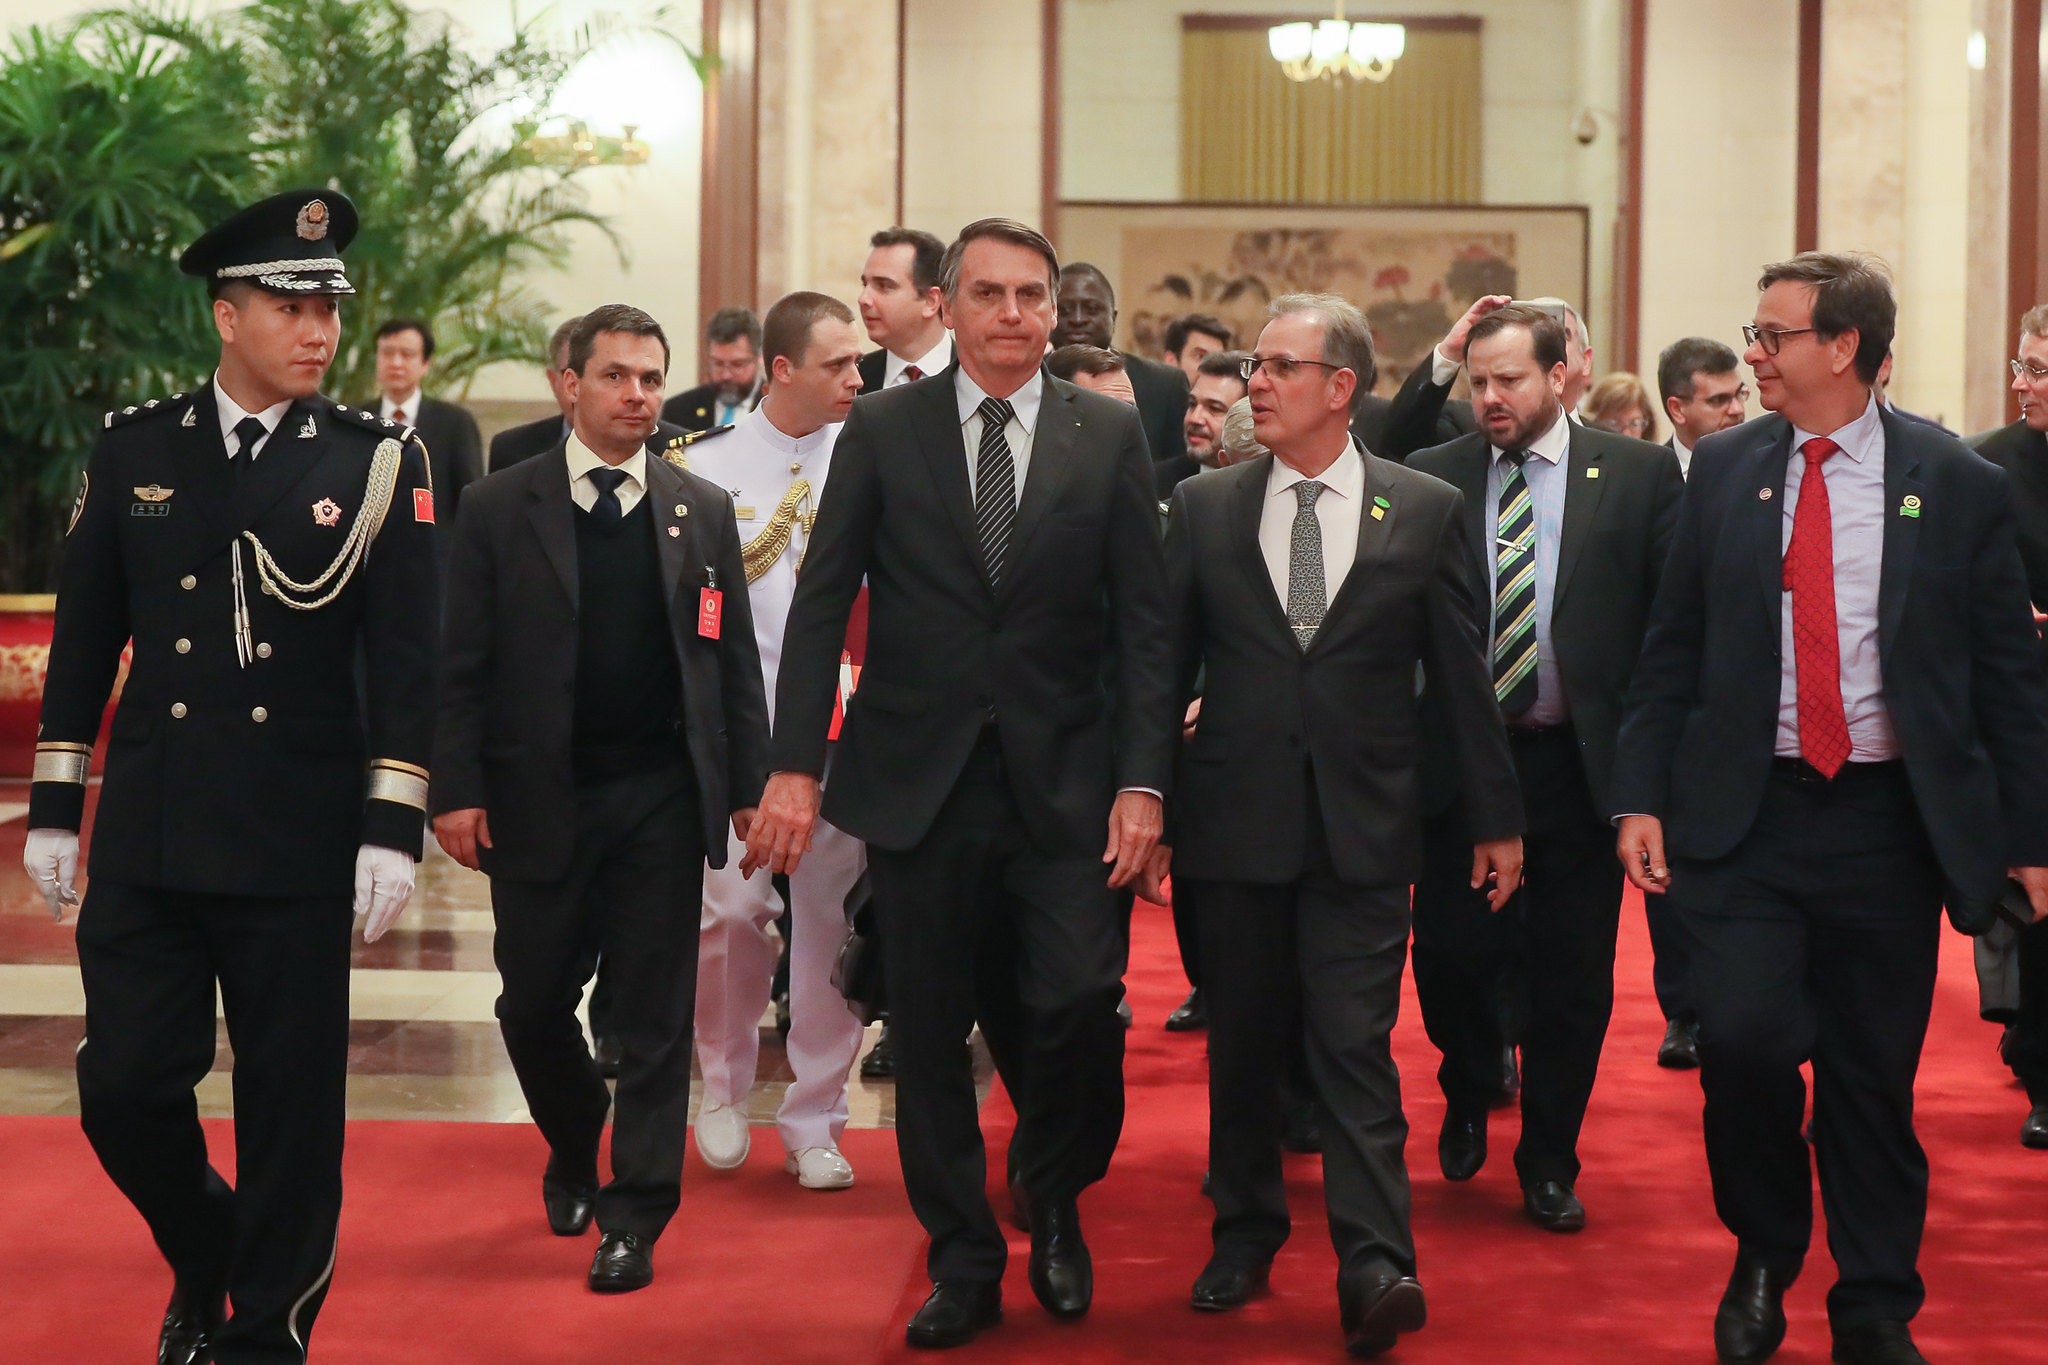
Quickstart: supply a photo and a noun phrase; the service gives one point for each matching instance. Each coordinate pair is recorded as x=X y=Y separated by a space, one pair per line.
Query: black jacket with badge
x=234 y=775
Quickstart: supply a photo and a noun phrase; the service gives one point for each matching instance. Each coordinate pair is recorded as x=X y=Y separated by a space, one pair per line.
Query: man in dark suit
x=1702 y=393
x=1087 y=317
x=543 y=434
x=1569 y=527
x=405 y=353
x=732 y=360
x=1423 y=413
x=602 y=716
x=1836 y=724
x=900 y=306
x=1016 y=702
x=1310 y=584
x=1884 y=381
x=2021 y=450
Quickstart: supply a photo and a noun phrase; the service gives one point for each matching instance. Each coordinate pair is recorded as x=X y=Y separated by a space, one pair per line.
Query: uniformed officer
x=252 y=539
x=774 y=462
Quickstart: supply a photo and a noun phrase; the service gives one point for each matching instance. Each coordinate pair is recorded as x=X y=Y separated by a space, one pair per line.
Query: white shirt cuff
x=1441 y=370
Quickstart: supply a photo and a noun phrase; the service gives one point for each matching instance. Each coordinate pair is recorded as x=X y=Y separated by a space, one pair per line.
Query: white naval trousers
x=736 y=971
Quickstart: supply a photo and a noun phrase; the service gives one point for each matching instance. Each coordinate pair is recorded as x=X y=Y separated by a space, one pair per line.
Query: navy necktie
x=606 y=510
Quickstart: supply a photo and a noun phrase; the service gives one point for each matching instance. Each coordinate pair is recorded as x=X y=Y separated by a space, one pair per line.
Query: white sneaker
x=723 y=1137
x=819 y=1168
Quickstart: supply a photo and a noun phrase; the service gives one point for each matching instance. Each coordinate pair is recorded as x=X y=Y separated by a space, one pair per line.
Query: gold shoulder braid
x=764 y=549
x=377 y=491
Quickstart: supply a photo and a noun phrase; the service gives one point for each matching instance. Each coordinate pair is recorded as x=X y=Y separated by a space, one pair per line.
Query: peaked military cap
x=291 y=243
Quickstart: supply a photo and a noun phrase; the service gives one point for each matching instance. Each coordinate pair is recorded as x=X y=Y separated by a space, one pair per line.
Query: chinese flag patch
x=423 y=504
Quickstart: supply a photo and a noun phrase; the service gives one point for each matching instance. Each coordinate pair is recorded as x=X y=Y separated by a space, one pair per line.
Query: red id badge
x=710 y=611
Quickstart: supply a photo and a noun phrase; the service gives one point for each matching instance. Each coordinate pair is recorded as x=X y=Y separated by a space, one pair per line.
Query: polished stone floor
x=423 y=1044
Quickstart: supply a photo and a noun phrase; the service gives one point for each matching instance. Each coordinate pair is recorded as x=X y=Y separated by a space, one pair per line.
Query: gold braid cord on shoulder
x=764 y=549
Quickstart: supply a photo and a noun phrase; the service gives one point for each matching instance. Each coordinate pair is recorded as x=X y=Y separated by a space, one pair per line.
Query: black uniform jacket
x=1620 y=513
x=1068 y=658
x=223 y=776
x=697 y=409
x=509 y=662
x=1956 y=644
x=1346 y=706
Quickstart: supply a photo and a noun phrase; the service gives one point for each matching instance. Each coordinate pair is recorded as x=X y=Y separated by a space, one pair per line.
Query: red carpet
x=444 y=1257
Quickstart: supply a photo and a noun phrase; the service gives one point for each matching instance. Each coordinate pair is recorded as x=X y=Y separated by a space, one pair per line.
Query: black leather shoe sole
x=1224 y=1285
x=1399 y=1308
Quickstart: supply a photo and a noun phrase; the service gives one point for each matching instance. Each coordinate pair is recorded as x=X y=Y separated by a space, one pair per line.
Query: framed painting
x=1413 y=269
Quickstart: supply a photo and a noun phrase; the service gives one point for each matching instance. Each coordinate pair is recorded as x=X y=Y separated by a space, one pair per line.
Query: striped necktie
x=995 y=487
x=1514 y=594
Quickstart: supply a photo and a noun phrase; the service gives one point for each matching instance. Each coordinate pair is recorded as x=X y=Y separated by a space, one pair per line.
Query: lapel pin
x=1593 y=471
x=675 y=530
x=681 y=510
x=1381 y=502
x=154 y=493
x=1379 y=514
x=1911 y=506
x=1763 y=495
x=327 y=512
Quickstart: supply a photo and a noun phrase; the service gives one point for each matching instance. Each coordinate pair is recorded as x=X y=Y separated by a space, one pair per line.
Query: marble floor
x=423 y=1040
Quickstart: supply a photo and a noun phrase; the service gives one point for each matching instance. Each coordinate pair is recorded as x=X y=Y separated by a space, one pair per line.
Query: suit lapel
x=1584 y=483
x=204 y=477
x=945 y=451
x=1901 y=533
x=674 y=542
x=1247 y=501
x=1763 y=518
x=554 y=516
x=1053 y=448
x=1374 y=534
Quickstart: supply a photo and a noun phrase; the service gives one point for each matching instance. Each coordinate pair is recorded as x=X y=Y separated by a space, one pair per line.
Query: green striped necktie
x=1514 y=595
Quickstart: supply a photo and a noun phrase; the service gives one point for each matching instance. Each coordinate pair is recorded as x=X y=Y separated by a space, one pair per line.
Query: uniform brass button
x=183 y=646
x=178 y=710
x=263 y=651
x=188 y=582
x=259 y=715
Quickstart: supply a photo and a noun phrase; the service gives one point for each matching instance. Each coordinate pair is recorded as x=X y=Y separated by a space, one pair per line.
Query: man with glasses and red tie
x=1836 y=725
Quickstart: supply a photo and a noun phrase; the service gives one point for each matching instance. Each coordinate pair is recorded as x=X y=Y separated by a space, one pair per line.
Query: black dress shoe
x=190 y=1323
x=1123 y=1012
x=1680 y=1050
x=1020 y=1205
x=880 y=1063
x=1510 y=1078
x=608 y=1053
x=1877 y=1343
x=956 y=1313
x=1461 y=1146
x=1229 y=1282
x=1552 y=1206
x=1750 y=1322
x=1192 y=1016
x=1301 y=1131
x=1376 y=1305
x=622 y=1263
x=1062 y=1276
x=569 y=1207
x=2034 y=1132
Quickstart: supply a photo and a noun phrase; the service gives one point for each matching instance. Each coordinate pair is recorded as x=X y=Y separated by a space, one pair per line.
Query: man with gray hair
x=1297 y=835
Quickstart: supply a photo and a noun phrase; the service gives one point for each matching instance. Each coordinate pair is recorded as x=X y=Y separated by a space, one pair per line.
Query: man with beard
x=732 y=359
x=1218 y=382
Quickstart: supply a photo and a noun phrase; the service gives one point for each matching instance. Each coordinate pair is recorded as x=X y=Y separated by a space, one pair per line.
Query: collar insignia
x=308 y=431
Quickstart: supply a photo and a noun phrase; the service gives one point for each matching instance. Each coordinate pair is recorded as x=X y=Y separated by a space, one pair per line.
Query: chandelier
x=1336 y=47
x=579 y=147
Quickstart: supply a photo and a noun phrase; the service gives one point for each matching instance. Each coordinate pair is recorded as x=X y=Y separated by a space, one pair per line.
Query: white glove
x=51 y=858
x=383 y=886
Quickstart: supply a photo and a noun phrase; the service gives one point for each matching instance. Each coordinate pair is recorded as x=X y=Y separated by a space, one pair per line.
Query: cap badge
x=312 y=224
x=327 y=512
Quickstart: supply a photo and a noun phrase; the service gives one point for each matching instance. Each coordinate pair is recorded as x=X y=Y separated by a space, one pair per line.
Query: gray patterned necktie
x=1307 y=597
x=995 y=487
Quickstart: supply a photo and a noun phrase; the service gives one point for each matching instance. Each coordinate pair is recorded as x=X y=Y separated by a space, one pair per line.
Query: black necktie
x=248 y=432
x=606 y=510
x=995 y=487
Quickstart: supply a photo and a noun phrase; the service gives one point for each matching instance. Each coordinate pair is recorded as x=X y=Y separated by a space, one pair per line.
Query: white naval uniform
x=736 y=959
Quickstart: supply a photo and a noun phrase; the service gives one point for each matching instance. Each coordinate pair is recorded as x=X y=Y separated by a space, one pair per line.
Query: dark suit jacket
x=697 y=409
x=1069 y=658
x=1915 y=417
x=872 y=370
x=2022 y=453
x=1347 y=704
x=1162 y=394
x=1620 y=513
x=508 y=663
x=455 y=450
x=1421 y=415
x=514 y=444
x=1957 y=646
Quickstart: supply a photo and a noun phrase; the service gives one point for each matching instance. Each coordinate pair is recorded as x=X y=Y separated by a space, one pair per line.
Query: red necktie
x=398 y=416
x=1817 y=648
x=911 y=374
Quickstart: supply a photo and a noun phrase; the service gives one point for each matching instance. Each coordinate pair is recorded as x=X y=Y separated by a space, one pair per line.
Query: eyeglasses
x=1281 y=367
x=1770 y=338
x=1740 y=398
x=2022 y=370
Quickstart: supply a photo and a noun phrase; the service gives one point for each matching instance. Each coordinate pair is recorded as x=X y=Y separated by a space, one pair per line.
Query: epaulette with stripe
x=370 y=421
x=141 y=410
x=674 y=454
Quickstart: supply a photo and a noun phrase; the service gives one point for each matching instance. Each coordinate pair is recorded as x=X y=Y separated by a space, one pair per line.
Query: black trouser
x=1325 y=958
x=1187 y=935
x=975 y=877
x=2026 y=1051
x=1669 y=970
x=1559 y=930
x=632 y=892
x=1817 y=939
x=150 y=959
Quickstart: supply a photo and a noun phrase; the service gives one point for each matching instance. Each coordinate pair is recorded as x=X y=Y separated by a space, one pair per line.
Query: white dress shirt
x=1856 y=510
x=930 y=363
x=1337 y=512
x=232 y=413
x=1018 y=430
x=582 y=459
x=1684 y=454
x=1547 y=471
x=389 y=410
